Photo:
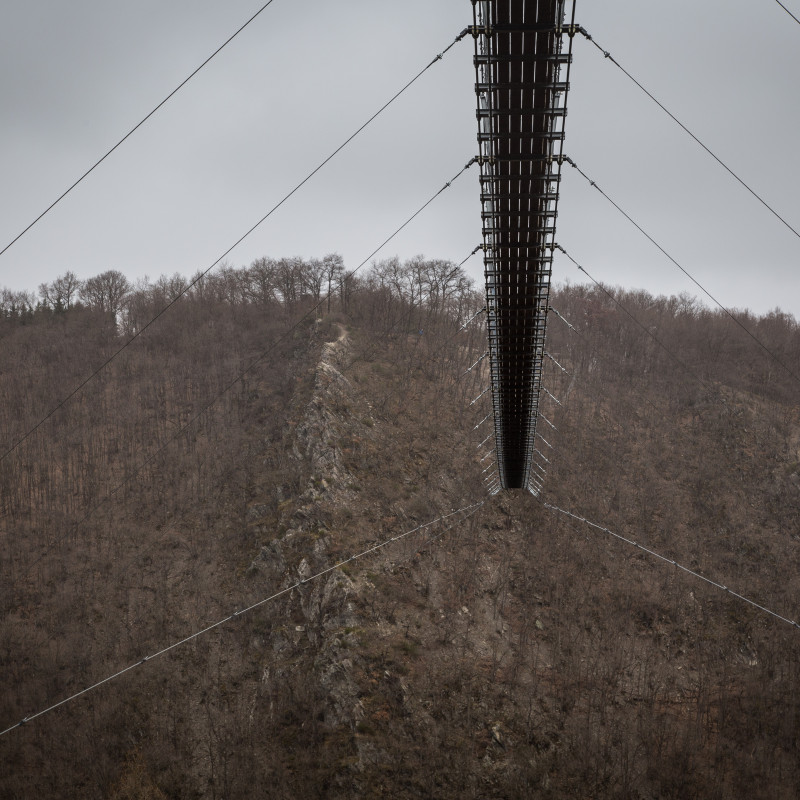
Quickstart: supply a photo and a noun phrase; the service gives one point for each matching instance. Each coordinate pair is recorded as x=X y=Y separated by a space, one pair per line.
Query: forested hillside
x=258 y=434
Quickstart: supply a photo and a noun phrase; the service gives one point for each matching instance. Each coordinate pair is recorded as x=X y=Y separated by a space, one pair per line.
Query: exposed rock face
x=326 y=605
x=317 y=434
x=505 y=653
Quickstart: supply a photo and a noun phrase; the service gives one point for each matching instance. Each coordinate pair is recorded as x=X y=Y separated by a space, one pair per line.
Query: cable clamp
x=477 y=30
x=570 y=30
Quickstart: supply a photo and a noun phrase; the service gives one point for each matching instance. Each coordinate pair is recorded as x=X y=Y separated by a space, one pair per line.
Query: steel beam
x=522 y=80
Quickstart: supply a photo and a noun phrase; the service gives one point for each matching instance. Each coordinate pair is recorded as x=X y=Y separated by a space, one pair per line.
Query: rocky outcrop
x=320 y=430
x=327 y=605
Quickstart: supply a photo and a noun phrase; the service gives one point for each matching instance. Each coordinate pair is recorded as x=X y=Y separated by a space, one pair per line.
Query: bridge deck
x=519 y=61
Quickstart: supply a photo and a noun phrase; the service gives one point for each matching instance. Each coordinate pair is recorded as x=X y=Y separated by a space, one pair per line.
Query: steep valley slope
x=505 y=651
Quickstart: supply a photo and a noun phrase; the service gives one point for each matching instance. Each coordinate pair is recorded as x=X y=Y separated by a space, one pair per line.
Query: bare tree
x=441 y=281
x=106 y=292
x=262 y=281
x=67 y=286
x=169 y=288
x=231 y=285
x=333 y=265
x=415 y=270
x=60 y=293
x=313 y=277
x=347 y=285
x=13 y=304
x=289 y=273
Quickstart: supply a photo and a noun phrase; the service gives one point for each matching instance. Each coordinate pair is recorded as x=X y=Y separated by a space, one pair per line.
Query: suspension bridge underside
x=519 y=64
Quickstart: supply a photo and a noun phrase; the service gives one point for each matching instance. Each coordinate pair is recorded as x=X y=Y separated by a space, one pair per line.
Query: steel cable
x=788 y=12
x=202 y=274
x=135 y=127
x=49 y=638
x=686 y=130
x=702 y=288
x=108 y=679
x=644 y=328
x=257 y=360
x=674 y=563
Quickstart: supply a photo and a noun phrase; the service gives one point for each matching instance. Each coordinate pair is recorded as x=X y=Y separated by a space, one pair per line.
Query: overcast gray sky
x=76 y=76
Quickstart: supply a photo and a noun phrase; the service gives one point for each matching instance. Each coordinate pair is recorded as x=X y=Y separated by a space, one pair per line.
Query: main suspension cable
x=135 y=128
x=685 y=272
x=708 y=150
x=788 y=12
x=643 y=327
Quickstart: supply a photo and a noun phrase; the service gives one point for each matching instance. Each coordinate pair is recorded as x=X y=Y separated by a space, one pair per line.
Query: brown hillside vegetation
x=505 y=651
